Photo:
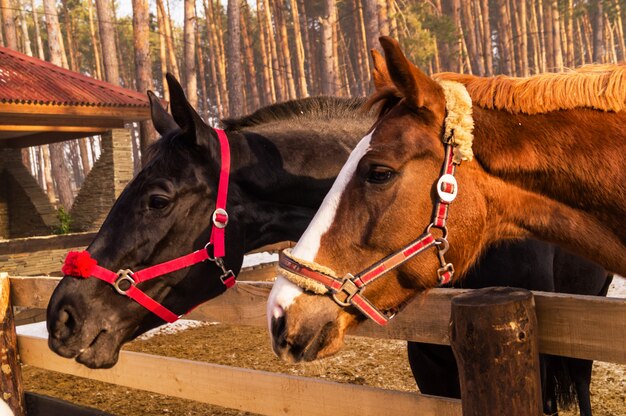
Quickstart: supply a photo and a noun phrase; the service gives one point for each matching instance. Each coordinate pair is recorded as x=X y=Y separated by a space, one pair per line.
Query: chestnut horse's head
x=382 y=200
x=164 y=213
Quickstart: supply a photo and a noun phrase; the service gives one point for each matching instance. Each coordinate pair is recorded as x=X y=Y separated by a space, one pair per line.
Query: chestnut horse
x=548 y=162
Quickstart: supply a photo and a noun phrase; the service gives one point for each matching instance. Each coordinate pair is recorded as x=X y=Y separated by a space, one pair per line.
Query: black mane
x=311 y=107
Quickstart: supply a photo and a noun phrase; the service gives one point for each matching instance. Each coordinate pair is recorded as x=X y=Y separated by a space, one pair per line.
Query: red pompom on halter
x=79 y=264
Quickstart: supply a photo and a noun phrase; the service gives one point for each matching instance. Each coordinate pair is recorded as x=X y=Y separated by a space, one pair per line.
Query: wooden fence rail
x=250 y=390
x=572 y=325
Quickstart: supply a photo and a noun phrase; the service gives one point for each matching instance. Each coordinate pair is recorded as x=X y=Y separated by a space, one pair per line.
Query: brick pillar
x=25 y=209
x=105 y=182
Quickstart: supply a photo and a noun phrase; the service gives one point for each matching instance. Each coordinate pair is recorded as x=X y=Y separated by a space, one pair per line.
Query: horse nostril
x=65 y=324
x=278 y=329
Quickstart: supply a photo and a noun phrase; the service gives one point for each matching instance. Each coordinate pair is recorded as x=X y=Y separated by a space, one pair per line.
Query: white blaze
x=284 y=292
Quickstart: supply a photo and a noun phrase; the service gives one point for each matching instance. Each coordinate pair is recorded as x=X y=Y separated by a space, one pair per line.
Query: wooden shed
x=41 y=103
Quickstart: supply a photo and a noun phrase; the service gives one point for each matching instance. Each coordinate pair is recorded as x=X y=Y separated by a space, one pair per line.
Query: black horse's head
x=164 y=213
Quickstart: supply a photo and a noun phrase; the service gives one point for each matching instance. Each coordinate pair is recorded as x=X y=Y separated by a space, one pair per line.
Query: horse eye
x=158 y=202
x=380 y=174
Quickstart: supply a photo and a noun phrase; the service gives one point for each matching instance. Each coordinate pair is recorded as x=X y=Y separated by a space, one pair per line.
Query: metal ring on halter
x=206 y=247
x=220 y=224
x=443 y=229
x=123 y=276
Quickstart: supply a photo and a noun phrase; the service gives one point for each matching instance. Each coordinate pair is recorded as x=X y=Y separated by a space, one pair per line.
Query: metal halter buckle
x=348 y=287
x=217 y=223
x=123 y=275
x=442 y=247
x=228 y=275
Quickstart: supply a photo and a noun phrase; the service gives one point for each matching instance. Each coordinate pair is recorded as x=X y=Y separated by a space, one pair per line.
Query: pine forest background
x=233 y=56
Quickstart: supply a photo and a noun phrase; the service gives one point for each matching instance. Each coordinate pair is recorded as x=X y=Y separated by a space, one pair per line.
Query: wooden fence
x=576 y=326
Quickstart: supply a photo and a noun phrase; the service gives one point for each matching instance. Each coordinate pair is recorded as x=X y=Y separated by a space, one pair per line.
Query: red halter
x=81 y=264
x=348 y=291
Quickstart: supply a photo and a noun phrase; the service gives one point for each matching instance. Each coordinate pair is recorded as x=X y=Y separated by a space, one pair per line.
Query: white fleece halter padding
x=459 y=124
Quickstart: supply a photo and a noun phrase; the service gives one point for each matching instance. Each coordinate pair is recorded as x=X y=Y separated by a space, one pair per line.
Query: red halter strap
x=348 y=290
x=81 y=264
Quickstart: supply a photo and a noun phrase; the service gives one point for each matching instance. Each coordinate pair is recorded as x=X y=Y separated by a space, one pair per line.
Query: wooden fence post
x=493 y=333
x=10 y=371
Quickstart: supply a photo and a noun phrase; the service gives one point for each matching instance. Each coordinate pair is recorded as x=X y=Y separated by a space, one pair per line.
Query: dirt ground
x=379 y=363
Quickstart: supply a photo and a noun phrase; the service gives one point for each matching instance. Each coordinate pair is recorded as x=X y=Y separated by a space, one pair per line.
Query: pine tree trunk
x=620 y=31
x=169 y=40
x=269 y=92
x=284 y=49
x=47 y=169
x=162 y=51
x=364 y=46
x=254 y=100
x=329 y=76
x=558 y=51
x=217 y=15
x=8 y=25
x=523 y=42
x=587 y=31
x=610 y=41
x=40 y=52
x=391 y=16
x=487 y=38
x=278 y=80
x=69 y=30
x=191 y=80
x=383 y=20
x=94 y=41
x=534 y=44
x=309 y=62
x=235 y=74
x=106 y=26
x=58 y=163
x=372 y=31
x=503 y=38
x=202 y=73
x=359 y=50
x=55 y=40
x=143 y=66
x=216 y=56
x=472 y=40
x=597 y=18
x=303 y=90
x=24 y=29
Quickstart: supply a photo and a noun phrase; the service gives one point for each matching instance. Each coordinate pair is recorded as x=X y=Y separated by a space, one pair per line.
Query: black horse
x=533 y=265
x=284 y=159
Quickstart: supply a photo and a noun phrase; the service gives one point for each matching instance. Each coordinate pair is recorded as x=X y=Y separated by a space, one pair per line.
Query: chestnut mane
x=601 y=87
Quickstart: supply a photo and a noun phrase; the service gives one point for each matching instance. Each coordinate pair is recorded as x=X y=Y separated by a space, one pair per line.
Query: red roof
x=27 y=80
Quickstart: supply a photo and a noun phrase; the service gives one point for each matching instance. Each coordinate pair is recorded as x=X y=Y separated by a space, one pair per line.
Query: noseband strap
x=348 y=290
x=81 y=264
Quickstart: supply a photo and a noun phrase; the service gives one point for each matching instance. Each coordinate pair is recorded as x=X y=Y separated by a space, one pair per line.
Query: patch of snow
x=37 y=330
x=618 y=287
x=255 y=259
x=4 y=409
x=173 y=328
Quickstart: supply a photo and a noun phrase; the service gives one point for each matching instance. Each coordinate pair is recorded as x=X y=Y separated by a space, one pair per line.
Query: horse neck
x=557 y=176
x=285 y=169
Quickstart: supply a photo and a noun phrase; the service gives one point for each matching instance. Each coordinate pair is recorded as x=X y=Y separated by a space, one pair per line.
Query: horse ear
x=416 y=87
x=190 y=122
x=163 y=122
x=380 y=72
